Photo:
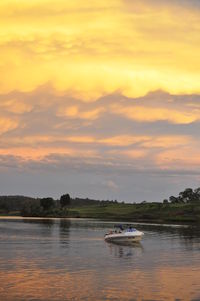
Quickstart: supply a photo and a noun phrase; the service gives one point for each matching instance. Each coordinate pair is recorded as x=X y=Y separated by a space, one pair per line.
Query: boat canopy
x=128 y=227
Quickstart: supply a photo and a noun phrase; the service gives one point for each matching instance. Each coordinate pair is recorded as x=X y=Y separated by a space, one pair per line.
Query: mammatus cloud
x=15 y=106
x=92 y=50
x=95 y=150
x=76 y=89
x=71 y=130
x=151 y=114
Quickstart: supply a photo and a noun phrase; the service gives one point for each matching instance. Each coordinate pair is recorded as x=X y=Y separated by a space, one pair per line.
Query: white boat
x=126 y=234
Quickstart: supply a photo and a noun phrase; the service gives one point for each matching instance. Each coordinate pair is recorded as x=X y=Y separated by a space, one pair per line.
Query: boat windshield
x=127 y=228
x=131 y=230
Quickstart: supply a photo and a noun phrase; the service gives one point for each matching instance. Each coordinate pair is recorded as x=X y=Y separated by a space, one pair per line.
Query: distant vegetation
x=187 y=196
x=45 y=207
x=182 y=208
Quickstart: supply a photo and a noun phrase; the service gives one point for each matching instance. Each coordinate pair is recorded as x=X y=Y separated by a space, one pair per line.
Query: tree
x=187 y=195
x=65 y=200
x=197 y=191
x=165 y=201
x=26 y=210
x=173 y=199
x=197 y=195
x=47 y=203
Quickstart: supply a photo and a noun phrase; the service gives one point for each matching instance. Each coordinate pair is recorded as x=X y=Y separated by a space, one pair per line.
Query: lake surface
x=61 y=259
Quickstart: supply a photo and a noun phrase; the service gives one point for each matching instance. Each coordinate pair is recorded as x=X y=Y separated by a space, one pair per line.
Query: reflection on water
x=125 y=250
x=68 y=259
x=64 y=231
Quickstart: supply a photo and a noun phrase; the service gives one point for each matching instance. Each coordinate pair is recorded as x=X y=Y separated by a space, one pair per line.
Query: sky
x=99 y=99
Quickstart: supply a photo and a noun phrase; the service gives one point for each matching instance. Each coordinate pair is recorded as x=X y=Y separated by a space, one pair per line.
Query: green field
x=156 y=212
x=166 y=212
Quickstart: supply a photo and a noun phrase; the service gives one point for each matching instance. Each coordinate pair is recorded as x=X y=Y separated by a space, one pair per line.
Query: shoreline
x=109 y=220
x=158 y=213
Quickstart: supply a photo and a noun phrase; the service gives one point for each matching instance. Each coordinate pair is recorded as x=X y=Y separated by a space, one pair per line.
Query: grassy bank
x=147 y=212
x=156 y=212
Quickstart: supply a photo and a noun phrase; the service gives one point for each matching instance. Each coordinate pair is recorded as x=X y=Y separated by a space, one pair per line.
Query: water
x=69 y=260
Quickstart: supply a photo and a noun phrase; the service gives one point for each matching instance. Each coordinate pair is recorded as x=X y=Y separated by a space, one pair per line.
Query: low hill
x=183 y=208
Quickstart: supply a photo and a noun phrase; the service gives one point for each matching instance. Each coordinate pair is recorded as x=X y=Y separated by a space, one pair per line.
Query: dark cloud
x=61 y=176
x=105 y=141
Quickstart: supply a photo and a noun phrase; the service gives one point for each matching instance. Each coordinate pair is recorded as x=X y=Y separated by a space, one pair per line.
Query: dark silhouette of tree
x=173 y=199
x=187 y=195
x=165 y=201
x=65 y=200
x=26 y=210
x=47 y=203
x=197 y=195
x=197 y=191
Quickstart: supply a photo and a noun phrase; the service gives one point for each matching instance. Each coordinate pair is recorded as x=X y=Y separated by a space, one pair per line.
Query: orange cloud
x=134 y=153
x=39 y=153
x=168 y=141
x=77 y=76
x=123 y=140
x=187 y=158
x=150 y=114
x=16 y=106
x=27 y=153
x=76 y=112
x=92 y=50
x=7 y=124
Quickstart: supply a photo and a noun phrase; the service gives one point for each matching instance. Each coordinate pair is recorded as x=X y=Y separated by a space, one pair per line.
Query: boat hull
x=123 y=238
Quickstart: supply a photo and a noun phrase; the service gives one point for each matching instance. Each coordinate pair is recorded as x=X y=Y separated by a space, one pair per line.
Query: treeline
x=28 y=206
x=78 y=202
x=187 y=196
x=16 y=203
x=184 y=206
x=47 y=207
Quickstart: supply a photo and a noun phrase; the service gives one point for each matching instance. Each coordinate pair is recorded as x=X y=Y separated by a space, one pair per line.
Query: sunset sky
x=99 y=99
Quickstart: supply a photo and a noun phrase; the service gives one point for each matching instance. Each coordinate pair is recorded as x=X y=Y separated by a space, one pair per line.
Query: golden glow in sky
x=109 y=82
x=92 y=48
